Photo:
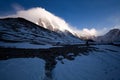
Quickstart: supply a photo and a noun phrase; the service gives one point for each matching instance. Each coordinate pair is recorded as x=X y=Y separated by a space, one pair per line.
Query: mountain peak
x=112 y=36
x=113 y=31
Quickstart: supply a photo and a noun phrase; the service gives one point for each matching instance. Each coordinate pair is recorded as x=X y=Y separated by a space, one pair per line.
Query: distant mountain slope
x=19 y=30
x=112 y=36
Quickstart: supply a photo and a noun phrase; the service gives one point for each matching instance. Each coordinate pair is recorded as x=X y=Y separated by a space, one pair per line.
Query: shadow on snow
x=48 y=55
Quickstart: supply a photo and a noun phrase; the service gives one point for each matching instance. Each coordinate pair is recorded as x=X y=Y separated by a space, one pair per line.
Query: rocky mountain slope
x=110 y=37
x=19 y=30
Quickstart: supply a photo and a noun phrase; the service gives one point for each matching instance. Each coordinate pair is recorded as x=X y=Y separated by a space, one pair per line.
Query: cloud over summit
x=44 y=18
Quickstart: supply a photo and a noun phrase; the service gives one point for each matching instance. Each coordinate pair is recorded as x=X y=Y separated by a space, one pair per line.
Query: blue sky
x=79 y=13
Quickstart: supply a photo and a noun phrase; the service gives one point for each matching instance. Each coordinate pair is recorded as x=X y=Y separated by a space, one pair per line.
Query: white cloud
x=87 y=33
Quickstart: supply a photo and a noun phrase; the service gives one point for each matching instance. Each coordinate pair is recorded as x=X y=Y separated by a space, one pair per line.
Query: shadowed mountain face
x=112 y=36
x=18 y=30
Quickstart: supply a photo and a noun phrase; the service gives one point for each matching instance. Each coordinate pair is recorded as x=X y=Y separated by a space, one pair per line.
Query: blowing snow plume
x=48 y=20
x=43 y=18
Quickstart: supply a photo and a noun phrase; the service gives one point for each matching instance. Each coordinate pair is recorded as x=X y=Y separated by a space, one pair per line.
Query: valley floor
x=96 y=62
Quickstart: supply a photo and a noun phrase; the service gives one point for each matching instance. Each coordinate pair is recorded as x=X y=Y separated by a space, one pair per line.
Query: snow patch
x=101 y=65
x=22 y=69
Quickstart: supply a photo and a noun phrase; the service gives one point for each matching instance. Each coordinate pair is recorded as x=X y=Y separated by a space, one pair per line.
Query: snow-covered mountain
x=48 y=20
x=18 y=31
x=110 y=37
